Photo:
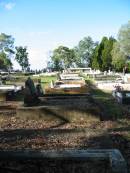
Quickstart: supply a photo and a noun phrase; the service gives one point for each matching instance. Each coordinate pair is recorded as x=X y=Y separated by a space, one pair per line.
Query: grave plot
x=68 y=84
x=64 y=108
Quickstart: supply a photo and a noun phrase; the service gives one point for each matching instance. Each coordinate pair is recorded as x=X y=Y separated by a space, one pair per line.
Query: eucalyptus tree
x=84 y=51
x=6 y=50
x=63 y=58
x=124 y=39
x=21 y=57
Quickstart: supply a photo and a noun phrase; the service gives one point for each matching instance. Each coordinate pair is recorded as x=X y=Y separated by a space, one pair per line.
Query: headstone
x=39 y=89
x=30 y=94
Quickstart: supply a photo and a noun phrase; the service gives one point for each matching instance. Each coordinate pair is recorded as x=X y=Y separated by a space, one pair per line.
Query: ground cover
x=113 y=131
x=20 y=79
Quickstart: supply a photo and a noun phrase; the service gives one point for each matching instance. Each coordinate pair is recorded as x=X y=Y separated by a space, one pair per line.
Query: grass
x=106 y=100
x=45 y=80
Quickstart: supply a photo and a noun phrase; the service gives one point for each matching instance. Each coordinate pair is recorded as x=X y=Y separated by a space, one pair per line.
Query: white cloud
x=9 y=6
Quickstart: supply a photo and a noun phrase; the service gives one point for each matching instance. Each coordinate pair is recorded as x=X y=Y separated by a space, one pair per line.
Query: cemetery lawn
x=20 y=80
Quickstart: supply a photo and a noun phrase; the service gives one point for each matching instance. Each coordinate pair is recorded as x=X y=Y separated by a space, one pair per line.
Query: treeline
x=109 y=54
x=8 y=51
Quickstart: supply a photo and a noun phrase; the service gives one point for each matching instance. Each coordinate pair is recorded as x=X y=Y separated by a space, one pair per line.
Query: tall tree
x=118 y=57
x=84 y=52
x=63 y=58
x=124 y=39
x=6 y=50
x=102 y=58
x=96 y=58
x=106 y=54
x=22 y=57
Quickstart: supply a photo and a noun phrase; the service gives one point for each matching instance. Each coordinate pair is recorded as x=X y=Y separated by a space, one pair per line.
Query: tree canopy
x=84 y=52
x=124 y=39
x=118 y=57
x=6 y=50
x=63 y=58
x=102 y=58
x=121 y=49
x=22 y=57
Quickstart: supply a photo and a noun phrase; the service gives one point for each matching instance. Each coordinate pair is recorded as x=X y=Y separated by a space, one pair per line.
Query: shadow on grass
x=111 y=110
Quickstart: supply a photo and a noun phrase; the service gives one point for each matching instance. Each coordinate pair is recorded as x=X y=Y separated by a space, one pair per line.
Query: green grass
x=45 y=80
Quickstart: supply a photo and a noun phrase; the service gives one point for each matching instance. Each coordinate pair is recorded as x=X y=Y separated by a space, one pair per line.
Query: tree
x=102 y=58
x=63 y=58
x=118 y=57
x=121 y=49
x=96 y=58
x=124 y=39
x=5 y=63
x=6 y=50
x=84 y=52
x=106 y=54
x=22 y=57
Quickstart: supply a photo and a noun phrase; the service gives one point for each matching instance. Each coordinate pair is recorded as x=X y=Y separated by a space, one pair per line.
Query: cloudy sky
x=43 y=25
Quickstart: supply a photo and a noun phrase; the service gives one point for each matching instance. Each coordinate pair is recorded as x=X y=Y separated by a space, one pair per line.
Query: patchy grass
x=45 y=80
x=105 y=99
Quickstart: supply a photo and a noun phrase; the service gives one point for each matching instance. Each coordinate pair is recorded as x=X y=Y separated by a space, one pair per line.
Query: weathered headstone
x=30 y=94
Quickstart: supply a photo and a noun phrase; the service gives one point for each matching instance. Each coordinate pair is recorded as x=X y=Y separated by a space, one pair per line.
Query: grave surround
x=113 y=159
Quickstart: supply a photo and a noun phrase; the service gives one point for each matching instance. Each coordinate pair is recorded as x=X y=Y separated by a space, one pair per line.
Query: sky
x=43 y=25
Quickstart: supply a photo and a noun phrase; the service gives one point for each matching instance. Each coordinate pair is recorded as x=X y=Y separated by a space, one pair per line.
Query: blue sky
x=43 y=25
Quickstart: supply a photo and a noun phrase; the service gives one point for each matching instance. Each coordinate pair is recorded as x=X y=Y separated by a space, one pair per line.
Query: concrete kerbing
x=113 y=156
x=118 y=163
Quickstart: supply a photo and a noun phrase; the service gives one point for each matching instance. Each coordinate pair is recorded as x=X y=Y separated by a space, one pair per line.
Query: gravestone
x=30 y=93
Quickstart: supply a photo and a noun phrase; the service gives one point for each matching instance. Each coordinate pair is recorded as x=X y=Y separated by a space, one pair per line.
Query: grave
x=126 y=78
x=122 y=96
x=69 y=160
x=68 y=83
x=5 y=89
x=69 y=108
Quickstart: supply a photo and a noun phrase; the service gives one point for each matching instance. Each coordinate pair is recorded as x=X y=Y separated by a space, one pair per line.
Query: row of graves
x=66 y=100
x=116 y=83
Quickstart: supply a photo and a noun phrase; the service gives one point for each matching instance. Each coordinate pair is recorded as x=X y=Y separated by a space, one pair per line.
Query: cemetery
x=68 y=121
x=64 y=86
